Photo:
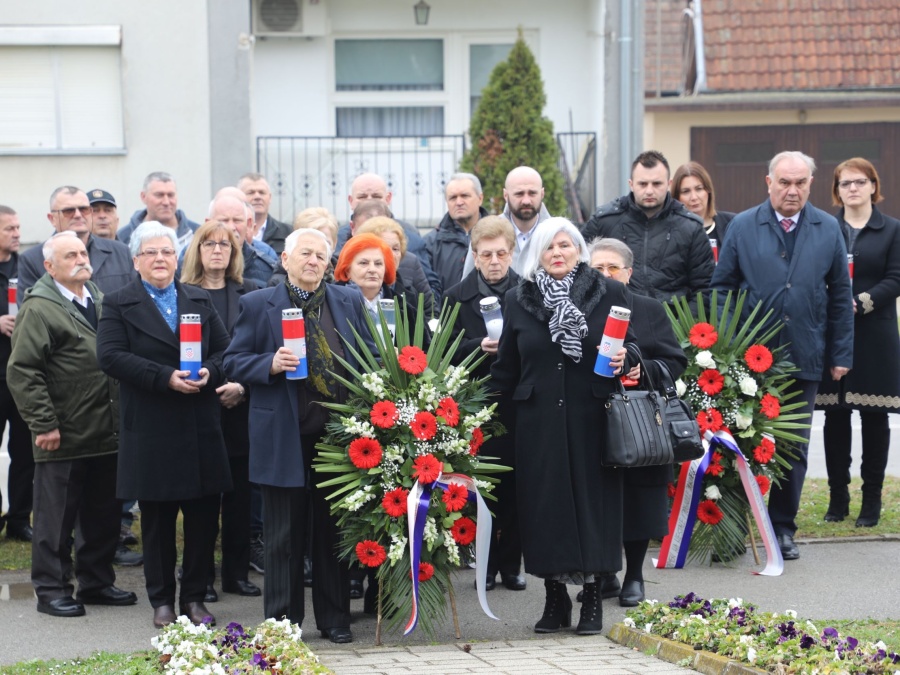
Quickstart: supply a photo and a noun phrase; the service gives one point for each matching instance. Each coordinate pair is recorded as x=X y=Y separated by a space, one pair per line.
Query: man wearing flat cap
x=106 y=215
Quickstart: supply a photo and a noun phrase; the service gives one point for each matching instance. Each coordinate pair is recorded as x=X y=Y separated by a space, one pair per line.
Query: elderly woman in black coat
x=873 y=385
x=171 y=455
x=646 y=500
x=570 y=507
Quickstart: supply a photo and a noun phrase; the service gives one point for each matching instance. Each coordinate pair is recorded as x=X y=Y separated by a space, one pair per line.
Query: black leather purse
x=681 y=420
x=636 y=430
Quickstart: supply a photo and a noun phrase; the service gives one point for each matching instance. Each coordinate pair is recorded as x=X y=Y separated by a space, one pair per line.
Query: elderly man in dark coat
x=287 y=421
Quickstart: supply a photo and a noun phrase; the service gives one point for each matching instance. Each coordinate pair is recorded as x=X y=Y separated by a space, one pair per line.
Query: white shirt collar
x=70 y=296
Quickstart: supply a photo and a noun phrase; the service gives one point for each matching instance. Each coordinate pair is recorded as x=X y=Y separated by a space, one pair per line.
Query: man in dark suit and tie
x=259 y=194
x=287 y=420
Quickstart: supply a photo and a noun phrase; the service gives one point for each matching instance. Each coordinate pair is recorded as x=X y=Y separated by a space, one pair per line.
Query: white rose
x=680 y=387
x=743 y=421
x=748 y=386
x=705 y=359
x=712 y=492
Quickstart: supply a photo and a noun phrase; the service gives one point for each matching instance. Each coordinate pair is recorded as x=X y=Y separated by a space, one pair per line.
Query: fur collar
x=587 y=289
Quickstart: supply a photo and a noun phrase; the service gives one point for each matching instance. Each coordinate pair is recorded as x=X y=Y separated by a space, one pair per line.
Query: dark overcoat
x=171 y=443
x=570 y=507
x=874 y=382
x=646 y=496
x=276 y=456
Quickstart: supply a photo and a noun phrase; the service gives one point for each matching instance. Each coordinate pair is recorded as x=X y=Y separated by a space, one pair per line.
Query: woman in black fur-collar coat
x=570 y=507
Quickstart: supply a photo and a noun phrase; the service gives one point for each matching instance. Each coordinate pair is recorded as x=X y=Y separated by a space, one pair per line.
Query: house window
x=60 y=98
x=482 y=60
x=377 y=121
x=389 y=65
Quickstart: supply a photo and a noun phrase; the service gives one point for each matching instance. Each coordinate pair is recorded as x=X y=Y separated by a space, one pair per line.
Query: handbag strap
x=667 y=382
x=647 y=382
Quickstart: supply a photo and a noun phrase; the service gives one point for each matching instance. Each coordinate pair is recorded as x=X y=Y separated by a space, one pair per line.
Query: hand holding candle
x=610 y=353
x=189 y=330
x=293 y=329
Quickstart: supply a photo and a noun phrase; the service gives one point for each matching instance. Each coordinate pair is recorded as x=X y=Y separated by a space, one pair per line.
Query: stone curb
x=679 y=653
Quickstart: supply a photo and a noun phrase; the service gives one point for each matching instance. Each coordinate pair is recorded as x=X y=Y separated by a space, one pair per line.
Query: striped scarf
x=567 y=324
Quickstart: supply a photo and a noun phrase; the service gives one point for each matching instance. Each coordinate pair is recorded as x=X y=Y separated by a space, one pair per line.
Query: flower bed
x=781 y=643
x=272 y=647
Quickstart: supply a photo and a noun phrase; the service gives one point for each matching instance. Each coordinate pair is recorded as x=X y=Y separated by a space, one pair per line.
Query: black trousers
x=506 y=545
x=21 y=461
x=236 y=522
x=784 y=500
x=876 y=442
x=285 y=530
x=158 y=525
x=77 y=494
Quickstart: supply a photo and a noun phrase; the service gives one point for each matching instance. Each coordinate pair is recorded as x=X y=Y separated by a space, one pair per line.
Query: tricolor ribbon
x=673 y=552
x=417 y=513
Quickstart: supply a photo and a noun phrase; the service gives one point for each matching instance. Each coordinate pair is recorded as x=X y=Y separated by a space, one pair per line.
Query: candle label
x=190 y=332
x=293 y=329
x=11 y=292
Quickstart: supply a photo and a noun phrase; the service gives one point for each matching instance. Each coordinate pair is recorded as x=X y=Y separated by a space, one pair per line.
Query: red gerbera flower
x=708 y=512
x=711 y=382
x=770 y=406
x=670 y=490
x=709 y=420
x=370 y=553
x=426 y=468
x=764 y=484
x=703 y=336
x=448 y=409
x=426 y=571
x=477 y=441
x=394 y=502
x=365 y=453
x=424 y=426
x=384 y=414
x=455 y=497
x=715 y=469
x=412 y=360
x=463 y=531
x=758 y=358
x=764 y=452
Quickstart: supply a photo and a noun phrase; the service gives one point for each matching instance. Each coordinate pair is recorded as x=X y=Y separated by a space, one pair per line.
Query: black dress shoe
x=241 y=587
x=789 y=550
x=490 y=582
x=356 y=589
x=197 y=613
x=632 y=593
x=163 y=615
x=127 y=558
x=514 y=582
x=64 y=607
x=339 y=635
x=20 y=533
x=609 y=586
x=107 y=596
x=211 y=595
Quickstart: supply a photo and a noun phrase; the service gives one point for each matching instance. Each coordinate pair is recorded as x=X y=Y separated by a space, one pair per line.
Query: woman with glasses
x=873 y=385
x=214 y=262
x=172 y=455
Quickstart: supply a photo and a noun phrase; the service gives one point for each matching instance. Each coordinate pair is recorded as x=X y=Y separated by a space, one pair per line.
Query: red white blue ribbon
x=417 y=512
x=673 y=552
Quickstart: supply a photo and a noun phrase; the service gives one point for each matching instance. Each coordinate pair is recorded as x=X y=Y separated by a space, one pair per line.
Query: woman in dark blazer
x=493 y=242
x=172 y=456
x=214 y=262
x=646 y=501
x=570 y=507
x=873 y=384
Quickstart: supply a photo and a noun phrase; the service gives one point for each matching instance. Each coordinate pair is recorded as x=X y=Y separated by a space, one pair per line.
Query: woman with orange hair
x=366 y=262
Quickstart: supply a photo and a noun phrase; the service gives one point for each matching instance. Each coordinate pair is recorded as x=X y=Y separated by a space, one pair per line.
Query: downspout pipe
x=699 y=48
x=626 y=113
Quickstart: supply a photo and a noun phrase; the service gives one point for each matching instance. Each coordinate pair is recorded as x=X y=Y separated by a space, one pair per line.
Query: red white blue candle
x=612 y=340
x=11 y=291
x=293 y=329
x=189 y=331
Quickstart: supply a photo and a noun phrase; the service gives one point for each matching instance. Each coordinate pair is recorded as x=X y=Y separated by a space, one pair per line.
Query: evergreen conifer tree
x=509 y=130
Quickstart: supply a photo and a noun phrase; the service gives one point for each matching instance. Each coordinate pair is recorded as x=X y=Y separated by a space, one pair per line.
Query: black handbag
x=681 y=420
x=636 y=430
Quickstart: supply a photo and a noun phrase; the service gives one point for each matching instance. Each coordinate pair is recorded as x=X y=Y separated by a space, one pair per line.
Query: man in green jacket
x=71 y=408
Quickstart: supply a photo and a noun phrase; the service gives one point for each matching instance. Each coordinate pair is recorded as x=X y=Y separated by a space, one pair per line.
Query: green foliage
x=509 y=130
x=101 y=663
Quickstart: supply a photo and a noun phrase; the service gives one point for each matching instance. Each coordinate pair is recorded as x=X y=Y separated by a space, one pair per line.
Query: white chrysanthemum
x=680 y=387
x=748 y=386
x=712 y=492
x=705 y=359
x=742 y=421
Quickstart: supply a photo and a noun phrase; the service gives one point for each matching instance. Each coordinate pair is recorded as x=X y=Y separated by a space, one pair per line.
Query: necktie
x=787 y=224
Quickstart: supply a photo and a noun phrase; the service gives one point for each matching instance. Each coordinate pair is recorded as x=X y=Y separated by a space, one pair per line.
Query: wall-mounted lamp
x=421 y=10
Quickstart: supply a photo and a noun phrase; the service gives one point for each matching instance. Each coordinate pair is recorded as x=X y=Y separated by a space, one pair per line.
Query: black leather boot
x=591 y=621
x=557 y=608
x=838 y=504
x=871 y=508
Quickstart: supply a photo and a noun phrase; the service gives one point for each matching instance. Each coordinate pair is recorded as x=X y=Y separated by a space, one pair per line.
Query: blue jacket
x=276 y=457
x=184 y=232
x=809 y=291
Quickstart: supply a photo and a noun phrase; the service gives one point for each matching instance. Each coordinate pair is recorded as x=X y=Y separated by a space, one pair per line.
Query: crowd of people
x=146 y=365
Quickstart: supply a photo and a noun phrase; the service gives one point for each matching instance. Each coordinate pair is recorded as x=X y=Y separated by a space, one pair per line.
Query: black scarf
x=498 y=290
x=318 y=353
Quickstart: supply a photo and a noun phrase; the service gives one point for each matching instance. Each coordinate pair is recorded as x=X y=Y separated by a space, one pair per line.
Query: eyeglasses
x=859 y=182
x=209 y=244
x=153 y=252
x=488 y=255
x=69 y=211
x=612 y=269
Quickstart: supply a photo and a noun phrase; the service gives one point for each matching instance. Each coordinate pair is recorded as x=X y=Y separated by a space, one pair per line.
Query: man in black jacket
x=672 y=255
